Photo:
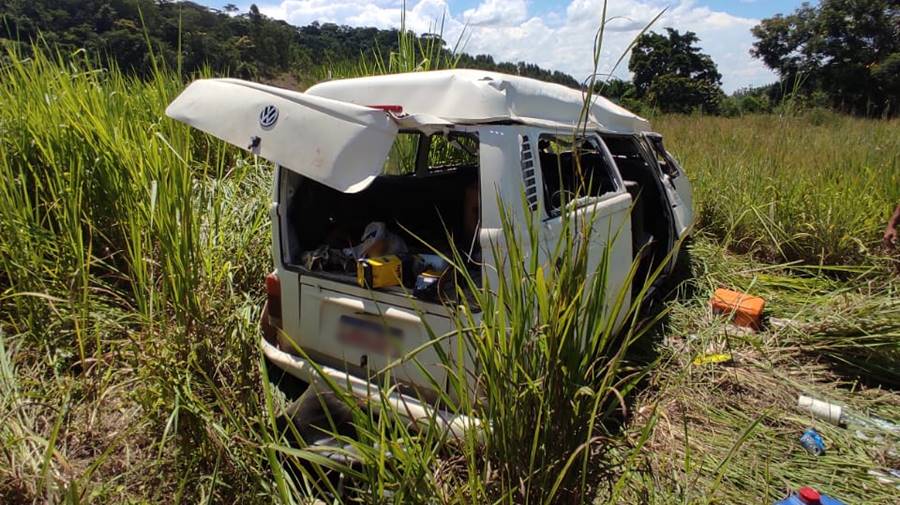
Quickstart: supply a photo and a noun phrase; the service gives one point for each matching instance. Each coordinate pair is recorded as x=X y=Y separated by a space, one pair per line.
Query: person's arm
x=890 y=233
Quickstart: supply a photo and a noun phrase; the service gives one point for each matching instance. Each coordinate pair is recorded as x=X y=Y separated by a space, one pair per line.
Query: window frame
x=585 y=201
x=651 y=141
x=422 y=149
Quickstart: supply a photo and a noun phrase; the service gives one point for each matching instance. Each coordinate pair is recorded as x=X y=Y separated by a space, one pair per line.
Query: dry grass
x=729 y=432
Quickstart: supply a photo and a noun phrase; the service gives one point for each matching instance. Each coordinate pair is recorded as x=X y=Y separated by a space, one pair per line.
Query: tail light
x=271 y=318
x=273 y=294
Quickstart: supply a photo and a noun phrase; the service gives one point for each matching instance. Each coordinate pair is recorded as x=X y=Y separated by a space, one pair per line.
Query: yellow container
x=379 y=272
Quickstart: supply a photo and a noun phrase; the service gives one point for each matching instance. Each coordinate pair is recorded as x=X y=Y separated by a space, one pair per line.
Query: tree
x=847 y=49
x=671 y=73
x=191 y=37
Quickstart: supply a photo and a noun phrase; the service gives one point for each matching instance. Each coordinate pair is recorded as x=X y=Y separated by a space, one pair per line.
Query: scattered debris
x=745 y=310
x=709 y=359
x=427 y=284
x=889 y=476
x=780 y=323
x=809 y=496
x=328 y=259
x=812 y=442
x=377 y=241
x=819 y=409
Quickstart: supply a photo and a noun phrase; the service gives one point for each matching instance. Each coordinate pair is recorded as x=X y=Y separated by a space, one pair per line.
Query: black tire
x=291 y=386
x=317 y=414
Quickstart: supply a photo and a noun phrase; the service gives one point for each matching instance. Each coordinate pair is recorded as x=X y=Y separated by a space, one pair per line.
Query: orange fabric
x=746 y=310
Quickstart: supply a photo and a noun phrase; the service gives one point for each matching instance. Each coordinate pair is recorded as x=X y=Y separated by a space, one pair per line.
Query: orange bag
x=746 y=310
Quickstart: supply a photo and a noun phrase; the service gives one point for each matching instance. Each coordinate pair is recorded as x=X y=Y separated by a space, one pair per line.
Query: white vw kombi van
x=400 y=166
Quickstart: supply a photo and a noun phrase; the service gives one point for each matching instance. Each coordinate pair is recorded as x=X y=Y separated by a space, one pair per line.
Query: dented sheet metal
x=477 y=96
x=339 y=144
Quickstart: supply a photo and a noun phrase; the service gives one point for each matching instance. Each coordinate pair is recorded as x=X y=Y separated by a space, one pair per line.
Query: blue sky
x=557 y=34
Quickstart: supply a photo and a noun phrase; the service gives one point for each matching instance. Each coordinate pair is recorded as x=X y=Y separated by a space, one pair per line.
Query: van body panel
x=500 y=150
x=371 y=330
x=330 y=141
x=610 y=235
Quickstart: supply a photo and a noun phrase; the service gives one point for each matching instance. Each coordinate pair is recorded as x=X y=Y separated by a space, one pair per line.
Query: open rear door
x=339 y=144
x=676 y=183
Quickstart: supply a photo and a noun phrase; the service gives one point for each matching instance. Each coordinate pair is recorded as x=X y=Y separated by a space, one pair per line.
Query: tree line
x=841 y=54
x=131 y=33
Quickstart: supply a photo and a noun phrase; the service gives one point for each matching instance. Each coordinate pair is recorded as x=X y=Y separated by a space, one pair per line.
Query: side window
x=417 y=153
x=665 y=161
x=572 y=169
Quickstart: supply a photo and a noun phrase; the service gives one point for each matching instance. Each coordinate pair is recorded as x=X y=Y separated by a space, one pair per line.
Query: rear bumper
x=369 y=393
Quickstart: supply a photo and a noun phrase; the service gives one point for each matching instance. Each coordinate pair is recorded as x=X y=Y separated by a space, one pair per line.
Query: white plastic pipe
x=821 y=410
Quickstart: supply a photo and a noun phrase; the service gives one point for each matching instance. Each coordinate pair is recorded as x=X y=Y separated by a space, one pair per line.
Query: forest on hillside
x=837 y=54
x=241 y=44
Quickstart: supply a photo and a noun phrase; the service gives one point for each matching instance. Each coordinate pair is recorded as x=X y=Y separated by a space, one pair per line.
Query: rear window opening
x=427 y=197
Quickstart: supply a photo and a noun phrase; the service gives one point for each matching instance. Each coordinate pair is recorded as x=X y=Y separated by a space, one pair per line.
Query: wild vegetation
x=847 y=52
x=131 y=270
x=130 y=33
x=838 y=54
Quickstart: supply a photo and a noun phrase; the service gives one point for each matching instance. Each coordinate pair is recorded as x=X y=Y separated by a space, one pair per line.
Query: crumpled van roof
x=477 y=96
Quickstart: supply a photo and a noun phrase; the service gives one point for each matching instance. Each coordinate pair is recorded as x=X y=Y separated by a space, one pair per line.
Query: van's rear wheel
x=319 y=414
x=315 y=419
x=291 y=386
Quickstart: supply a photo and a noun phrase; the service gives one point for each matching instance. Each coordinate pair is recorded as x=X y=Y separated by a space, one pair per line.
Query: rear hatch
x=343 y=146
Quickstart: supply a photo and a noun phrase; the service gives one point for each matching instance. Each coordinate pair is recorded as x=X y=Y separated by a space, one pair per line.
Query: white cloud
x=511 y=31
x=497 y=13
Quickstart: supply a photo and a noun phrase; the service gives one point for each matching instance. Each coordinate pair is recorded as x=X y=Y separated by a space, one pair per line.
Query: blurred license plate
x=369 y=335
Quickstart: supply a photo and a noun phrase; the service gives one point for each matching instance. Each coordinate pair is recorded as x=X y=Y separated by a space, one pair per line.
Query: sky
x=557 y=34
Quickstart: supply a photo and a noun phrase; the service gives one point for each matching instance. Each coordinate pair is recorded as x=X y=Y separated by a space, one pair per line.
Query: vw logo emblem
x=268 y=116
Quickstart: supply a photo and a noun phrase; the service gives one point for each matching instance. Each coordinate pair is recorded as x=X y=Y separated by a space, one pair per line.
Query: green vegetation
x=841 y=55
x=815 y=188
x=131 y=272
x=846 y=51
x=672 y=75
x=193 y=37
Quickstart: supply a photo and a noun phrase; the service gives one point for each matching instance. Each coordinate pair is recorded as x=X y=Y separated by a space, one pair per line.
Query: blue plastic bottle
x=809 y=496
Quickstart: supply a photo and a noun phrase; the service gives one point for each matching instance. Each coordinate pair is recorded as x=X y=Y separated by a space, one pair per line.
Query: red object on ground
x=745 y=310
x=810 y=496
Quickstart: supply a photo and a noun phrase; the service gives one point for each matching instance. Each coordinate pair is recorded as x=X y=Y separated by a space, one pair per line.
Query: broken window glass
x=572 y=169
x=417 y=153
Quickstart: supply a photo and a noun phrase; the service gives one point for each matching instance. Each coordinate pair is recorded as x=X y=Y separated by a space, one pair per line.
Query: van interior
x=427 y=196
x=652 y=228
x=564 y=178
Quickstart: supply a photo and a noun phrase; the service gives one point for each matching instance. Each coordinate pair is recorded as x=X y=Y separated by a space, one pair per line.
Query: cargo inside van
x=427 y=196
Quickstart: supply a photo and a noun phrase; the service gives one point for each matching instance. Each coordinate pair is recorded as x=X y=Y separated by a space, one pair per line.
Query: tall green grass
x=816 y=188
x=131 y=265
x=730 y=432
x=130 y=257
